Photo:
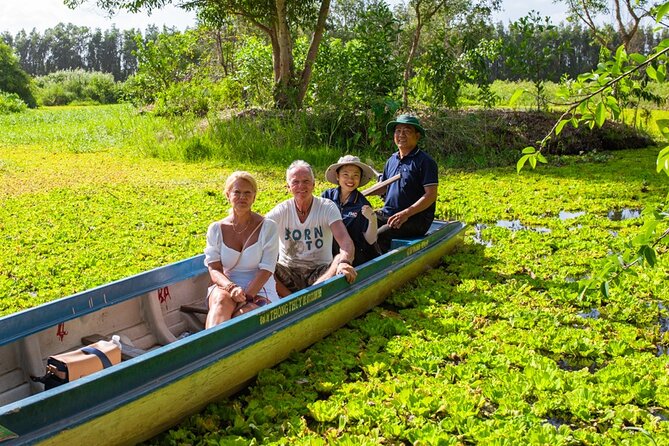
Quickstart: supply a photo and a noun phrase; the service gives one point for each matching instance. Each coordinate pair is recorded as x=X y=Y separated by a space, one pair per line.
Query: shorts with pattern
x=297 y=278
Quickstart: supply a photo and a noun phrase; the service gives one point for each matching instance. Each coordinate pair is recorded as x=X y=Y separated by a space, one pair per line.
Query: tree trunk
x=312 y=53
x=284 y=90
x=407 y=67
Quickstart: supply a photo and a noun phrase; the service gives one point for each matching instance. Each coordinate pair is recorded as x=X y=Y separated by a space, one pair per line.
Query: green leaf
x=541 y=158
x=621 y=55
x=651 y=73
x=600 y=114
x=521 y=162
x=574 y=123
x=612 y=105
x=649 y=255
x=661 y=11
x=533 y=161
x=604 y=288
x=663 y=161
x=529 y=150
x=638 y=58
x=560 y=125
x=663 y=126
x=661 y=73
x=515 y=96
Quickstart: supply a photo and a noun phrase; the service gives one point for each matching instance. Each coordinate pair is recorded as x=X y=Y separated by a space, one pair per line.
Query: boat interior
x=141 y=310
x=143 y=323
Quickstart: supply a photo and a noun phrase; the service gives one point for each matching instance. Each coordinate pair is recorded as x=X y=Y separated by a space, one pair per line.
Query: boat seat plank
x=197 y=309
x=127 y=351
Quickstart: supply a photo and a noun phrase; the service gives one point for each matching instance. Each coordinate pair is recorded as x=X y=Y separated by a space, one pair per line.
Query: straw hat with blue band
x=405 y=119
x=367 y=172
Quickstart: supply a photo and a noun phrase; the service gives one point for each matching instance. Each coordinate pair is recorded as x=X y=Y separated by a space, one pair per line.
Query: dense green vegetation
x=368 y=57
x=494 y=346
x=13 y=80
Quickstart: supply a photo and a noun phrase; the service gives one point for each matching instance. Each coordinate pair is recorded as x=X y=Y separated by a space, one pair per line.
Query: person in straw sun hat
x=349 y=173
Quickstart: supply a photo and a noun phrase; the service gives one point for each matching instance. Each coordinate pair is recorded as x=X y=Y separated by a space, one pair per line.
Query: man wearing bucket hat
x=349 y=173
x=409 y=204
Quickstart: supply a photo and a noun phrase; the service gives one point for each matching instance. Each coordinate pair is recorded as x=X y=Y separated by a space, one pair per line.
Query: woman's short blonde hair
x=240 y=175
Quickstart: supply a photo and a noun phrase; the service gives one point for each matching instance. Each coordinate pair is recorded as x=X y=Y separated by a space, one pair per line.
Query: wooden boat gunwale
x=26 y=322
x=117 y=386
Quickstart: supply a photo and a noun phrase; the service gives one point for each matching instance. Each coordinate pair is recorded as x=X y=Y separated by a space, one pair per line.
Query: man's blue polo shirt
x=417 y=170
x=356 y=223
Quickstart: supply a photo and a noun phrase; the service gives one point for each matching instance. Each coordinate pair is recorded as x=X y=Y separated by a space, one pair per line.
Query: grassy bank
x=493 y=347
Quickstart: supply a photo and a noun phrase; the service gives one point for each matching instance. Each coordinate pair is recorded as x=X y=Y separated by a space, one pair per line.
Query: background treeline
x=371 y=62
x=71 y=47
x=113 y=51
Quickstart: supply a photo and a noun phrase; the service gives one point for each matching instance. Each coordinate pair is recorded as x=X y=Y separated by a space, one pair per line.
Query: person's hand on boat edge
x=349 y=272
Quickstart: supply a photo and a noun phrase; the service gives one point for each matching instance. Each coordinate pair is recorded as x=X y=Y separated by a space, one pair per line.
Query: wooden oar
x=380 y=185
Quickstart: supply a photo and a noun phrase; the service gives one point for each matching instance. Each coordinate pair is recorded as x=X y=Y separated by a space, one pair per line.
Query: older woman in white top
x=241 y=254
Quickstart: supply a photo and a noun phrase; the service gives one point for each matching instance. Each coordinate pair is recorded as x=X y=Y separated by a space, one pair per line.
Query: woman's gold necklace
x=234 y=227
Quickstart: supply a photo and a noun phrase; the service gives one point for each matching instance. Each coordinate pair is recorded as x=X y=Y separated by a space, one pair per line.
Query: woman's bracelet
x=230 y=286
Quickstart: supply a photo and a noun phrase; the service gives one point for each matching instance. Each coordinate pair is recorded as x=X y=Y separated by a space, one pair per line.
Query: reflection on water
x=659 y=412
x=564 y=215
x=571 y=364
x=592 y=314
x=516 y=225
x=556 y=422
x=478 y=237
x=624 y=214
x=512 y=225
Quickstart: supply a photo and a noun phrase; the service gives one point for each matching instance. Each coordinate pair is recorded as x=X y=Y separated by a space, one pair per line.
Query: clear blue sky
x=42 y=14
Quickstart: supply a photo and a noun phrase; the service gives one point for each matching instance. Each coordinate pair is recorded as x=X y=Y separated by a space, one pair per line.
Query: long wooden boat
x=167 y=376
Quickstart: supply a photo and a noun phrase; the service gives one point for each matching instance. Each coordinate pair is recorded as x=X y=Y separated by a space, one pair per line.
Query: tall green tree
x=12 y=78
x=443 y=41
x=279 y=20
x=532 y=50
x=627 y=16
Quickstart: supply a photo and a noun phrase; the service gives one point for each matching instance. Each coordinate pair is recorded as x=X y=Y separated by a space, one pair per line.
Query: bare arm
x=346 y=247
x=341 y=264
x=424 y=202
x=224 y=283
x=372 y=225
